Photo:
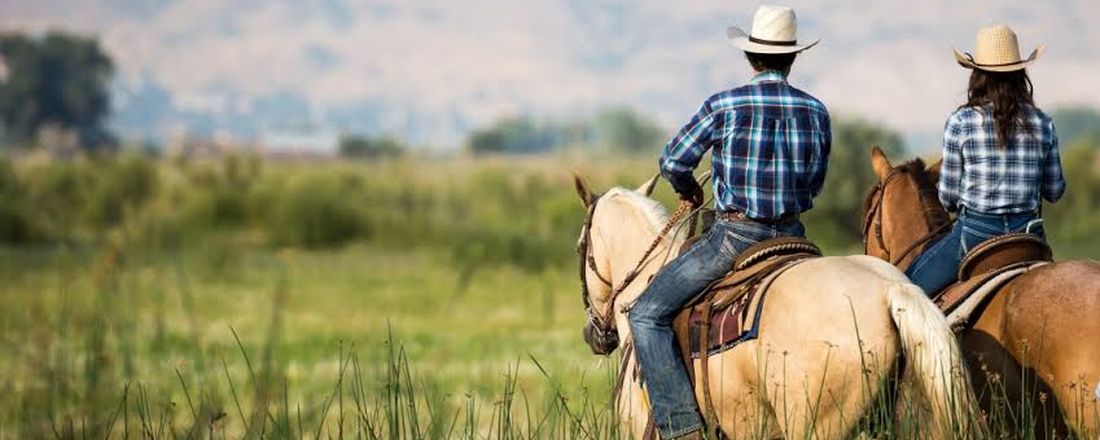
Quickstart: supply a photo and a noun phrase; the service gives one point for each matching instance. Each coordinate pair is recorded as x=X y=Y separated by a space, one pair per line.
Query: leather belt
x=735 y=216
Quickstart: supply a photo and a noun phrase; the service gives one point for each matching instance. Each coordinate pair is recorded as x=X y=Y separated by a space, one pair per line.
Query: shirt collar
x=769 y=76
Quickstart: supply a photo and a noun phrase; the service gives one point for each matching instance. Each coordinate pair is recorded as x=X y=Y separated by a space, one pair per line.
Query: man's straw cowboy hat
x=774 y=30
x=997 y=50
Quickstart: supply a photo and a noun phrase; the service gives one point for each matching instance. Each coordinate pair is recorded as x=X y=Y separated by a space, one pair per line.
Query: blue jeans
x=938 y=266
x=666 y=380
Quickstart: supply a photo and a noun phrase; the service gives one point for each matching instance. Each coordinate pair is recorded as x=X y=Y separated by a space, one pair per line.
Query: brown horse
x=1037 y=337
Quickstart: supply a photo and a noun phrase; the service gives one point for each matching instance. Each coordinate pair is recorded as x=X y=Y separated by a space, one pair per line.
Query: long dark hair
x=1008 y=93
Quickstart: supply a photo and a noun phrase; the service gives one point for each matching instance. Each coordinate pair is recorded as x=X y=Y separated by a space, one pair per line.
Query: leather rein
x=604 y=322
x=873 y=223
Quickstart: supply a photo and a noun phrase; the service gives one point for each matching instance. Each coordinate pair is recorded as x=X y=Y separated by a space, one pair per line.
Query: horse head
x=903 y=209
x=597 y=284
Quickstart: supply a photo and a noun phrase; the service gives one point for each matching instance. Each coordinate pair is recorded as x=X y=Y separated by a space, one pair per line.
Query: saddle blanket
x=733 y=323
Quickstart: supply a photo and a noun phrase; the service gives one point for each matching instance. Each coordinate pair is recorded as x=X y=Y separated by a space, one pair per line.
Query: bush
x=318 y=211
x=626 y=130
x=120 y=184
x=362 y=147
x=16 y=224
x=513 y=135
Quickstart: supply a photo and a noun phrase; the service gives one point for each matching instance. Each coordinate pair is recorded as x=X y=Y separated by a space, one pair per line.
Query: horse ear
x=582 y=189
x=880 y=163
x=647 y=188
x=934 y=170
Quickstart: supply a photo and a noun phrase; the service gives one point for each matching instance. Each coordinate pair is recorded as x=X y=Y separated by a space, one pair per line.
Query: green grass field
x=218 y=303
x=77 y=333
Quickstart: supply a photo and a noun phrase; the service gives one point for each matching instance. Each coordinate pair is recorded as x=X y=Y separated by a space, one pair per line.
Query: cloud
x=432 y=69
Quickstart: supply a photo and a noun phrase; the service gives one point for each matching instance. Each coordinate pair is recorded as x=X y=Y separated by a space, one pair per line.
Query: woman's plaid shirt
x=771 y=146
x=981 y=176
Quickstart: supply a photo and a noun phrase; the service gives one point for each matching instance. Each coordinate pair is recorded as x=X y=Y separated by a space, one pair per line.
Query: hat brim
x=966 y=60
x=740 y=39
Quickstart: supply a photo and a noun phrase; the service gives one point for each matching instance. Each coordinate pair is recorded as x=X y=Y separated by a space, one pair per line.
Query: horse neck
x=627 y=233
x=904 y=229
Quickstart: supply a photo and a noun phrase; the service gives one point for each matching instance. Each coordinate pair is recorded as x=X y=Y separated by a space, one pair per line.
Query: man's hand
x=693 y=195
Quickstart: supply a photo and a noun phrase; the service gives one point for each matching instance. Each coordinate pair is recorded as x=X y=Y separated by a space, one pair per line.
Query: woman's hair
x=1007 y=93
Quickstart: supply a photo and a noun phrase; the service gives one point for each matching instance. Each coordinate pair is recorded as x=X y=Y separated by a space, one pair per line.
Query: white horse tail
x=934 y=363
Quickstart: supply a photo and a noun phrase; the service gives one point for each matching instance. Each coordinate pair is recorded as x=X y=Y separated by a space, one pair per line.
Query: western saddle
x=727 y=312
x=985 y=268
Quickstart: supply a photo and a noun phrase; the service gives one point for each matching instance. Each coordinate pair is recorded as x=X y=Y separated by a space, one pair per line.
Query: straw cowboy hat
x=996 y=50
x=774 y=30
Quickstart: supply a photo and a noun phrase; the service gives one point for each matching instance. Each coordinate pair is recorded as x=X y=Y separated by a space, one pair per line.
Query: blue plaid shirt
x=981 y=176
x=771 y=146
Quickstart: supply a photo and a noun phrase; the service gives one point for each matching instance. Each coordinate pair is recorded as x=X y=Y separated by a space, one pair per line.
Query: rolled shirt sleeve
x=952 y=168
x=682 y=154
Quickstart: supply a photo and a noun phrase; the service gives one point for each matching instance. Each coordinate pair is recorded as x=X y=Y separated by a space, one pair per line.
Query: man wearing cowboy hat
x=770 y=149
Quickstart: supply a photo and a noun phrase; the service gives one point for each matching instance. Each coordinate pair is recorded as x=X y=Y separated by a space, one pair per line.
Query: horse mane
x=652 y=211
x=926 y=186
x=929 y=195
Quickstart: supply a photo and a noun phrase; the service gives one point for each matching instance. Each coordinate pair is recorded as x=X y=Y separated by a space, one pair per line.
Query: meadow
x=403 y=298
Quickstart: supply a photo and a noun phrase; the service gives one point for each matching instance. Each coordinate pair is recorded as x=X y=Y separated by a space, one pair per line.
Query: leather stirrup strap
x=709 y=416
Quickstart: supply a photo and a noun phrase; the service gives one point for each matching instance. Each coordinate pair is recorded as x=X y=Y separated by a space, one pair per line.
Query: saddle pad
x=962 y=310
x=731 y=324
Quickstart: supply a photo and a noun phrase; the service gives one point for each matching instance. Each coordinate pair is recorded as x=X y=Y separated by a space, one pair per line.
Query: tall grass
x=84 y=373
x=115 y=268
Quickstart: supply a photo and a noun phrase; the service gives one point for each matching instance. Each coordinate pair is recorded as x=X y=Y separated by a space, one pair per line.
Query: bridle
x=584 y=250
x=604 y=323
x=873 y=222
x=873 y=218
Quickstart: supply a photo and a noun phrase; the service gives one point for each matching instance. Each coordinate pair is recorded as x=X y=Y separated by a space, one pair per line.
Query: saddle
x=1004 y=250
x=988 y=266
x=727 y=312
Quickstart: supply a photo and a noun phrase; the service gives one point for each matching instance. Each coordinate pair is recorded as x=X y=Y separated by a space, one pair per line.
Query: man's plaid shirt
x=981 y=176
x=771 y=146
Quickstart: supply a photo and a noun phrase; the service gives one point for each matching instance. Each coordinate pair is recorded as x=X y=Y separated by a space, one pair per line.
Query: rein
x=874 y=220
x=604 y=323
x=874 y=215
x=921 y=241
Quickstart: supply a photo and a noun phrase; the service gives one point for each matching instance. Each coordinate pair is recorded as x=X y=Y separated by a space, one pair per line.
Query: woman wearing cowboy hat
x=1000 y=157
x=771 y=144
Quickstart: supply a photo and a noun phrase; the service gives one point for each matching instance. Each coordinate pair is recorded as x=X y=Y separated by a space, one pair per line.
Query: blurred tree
x=1077 y=123
x=835 y=217
x=57 y=79
x=624 y=129
x=364 y=147
x=513 y=135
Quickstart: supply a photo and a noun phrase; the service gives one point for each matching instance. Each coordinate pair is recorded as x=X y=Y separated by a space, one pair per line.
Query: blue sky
x=430 y=70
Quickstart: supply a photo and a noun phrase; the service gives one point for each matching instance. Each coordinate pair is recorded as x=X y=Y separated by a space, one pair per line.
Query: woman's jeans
x=938 y=266
x=666 y=380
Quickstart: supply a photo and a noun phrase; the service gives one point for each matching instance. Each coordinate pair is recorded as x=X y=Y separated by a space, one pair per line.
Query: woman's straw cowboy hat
x=774 y=30
x=997 y=50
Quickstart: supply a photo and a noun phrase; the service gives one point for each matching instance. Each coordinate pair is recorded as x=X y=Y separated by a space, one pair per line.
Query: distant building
x=300 y=142
x=196 y=147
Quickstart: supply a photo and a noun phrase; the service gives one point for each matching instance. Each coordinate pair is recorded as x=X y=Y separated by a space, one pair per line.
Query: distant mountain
x=431 y=71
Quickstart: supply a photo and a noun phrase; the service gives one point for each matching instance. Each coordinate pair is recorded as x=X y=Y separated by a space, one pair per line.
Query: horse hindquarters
x=1052 y=326
x=806 y=375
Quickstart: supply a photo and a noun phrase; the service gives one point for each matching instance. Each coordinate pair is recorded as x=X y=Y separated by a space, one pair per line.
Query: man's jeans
x=667 y=382
x=938 y=266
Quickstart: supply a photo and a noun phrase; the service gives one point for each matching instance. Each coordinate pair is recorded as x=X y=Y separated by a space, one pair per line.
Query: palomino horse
x=832 y=329
x=1042 y=327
